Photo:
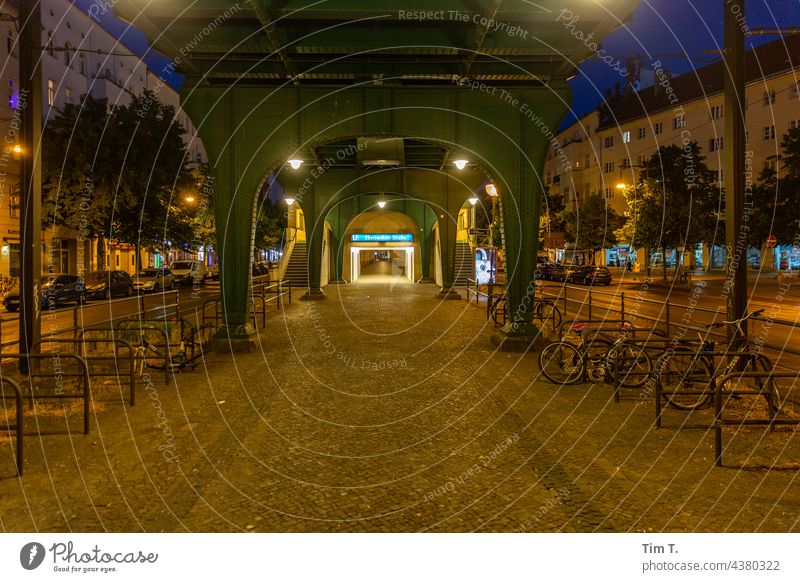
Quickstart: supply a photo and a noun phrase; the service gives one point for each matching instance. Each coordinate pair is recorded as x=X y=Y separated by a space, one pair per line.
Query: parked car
x=260 y=269
x=153 y=279
x=591 y=276
x=106 y=284
x=55 y=289
x=188 y=272
x=563 y=273
x=545 y=271
x=213 y=273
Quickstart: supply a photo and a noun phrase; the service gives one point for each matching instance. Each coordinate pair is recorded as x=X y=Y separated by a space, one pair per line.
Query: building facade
x=604 y=150
x=79 y=57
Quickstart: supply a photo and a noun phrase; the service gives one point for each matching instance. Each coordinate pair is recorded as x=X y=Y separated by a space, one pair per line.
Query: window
x=794 y=91
x=587 y=161
x=13 y=96
x=51 y=92
x=716 y=144
x=49 y=46
x=9 y=41
x=640 y=159
x=609 y=167
x=548 y=179
x=609 y=192
x=68 y=95
x=626 y=137
x=626 y=163
x=769 y=133
x=679 y=122
x=609 y=141
x=658 y=128
x=68 y=55
x=769 y=97
x=717 y=112
x=794 y=124
x=13 y=203
x=770 y=164
x=641 y=133
x=82 y=63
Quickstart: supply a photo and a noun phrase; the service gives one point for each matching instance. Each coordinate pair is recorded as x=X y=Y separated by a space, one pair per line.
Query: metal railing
x=720 y=421
x=19 y=427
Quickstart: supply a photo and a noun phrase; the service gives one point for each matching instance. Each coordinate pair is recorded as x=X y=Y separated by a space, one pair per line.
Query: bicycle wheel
x=683 y=375
x=768 y=386
x=499 y=312
x=561 y=363
x=634 y=365
x=597 y=348
x=546 y=311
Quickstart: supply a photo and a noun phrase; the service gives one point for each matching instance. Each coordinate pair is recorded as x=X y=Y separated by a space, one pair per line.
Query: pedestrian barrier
x=17 y=428
x=81 y=345
x=32 y=364
x=134 y=333
x=721 y=421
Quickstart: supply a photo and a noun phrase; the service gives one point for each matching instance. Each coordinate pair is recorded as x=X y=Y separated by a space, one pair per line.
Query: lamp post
x=736 y=277
x=30 y=49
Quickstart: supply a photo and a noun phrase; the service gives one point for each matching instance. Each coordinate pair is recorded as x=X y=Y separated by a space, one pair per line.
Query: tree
x=675 y=205
x=78 y=170
x=152 y=172
x=270 y=223
x=551 y=217
x=592 y=224
x=775 y=210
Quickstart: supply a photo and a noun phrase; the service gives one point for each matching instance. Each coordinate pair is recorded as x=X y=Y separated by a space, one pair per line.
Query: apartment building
x=603 y=151
x=79 y=57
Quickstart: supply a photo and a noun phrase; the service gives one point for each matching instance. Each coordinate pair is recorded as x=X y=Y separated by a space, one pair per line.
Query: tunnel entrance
x=382 y=265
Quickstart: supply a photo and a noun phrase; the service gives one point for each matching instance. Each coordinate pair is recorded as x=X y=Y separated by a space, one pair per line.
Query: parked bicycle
x=545 y=311
x=687 y=370
x=160 y=357
x=571 y=362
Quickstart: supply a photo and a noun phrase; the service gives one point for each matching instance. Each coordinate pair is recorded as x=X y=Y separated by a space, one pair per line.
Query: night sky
x=659 y=28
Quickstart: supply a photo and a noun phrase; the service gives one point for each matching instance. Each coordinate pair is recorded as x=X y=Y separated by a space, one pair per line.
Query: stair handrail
x=286 y=256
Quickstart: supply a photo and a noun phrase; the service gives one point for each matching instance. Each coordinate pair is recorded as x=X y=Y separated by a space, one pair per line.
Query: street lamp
x=473 y=200
x=189 y=199
x=491 y=190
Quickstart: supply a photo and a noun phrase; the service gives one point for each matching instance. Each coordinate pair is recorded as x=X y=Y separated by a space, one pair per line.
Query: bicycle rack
x=116 y=357
x=138 y=330
x=19 y=427
x=720 y=420
x=60 y=374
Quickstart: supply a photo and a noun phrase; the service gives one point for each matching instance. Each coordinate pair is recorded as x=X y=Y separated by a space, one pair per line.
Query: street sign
x=772 y=241
x=479 y=231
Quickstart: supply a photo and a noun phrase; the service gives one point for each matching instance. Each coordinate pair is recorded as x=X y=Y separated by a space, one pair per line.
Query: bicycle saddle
x=579 y=326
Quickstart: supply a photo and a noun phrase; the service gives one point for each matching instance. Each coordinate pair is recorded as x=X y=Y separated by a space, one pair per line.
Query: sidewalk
x=385 y=409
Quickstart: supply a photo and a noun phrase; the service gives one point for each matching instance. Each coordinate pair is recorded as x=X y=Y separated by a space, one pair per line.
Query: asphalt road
x=99 y=311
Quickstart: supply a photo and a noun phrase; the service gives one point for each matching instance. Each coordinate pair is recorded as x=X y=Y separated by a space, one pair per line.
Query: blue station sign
x=382 y=238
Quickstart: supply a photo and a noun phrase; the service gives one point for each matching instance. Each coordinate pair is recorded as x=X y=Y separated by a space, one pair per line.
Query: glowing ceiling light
x=289 y=200
x=381 y=203
x=460 y=164
x=491 y=189
x=295 y=163
x=473 y=200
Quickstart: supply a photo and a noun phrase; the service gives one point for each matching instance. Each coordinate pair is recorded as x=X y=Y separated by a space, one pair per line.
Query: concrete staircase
x=464 y=268
x=297 y=269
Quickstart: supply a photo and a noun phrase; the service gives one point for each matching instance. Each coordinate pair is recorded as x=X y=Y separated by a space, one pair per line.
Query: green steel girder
x=238 y=59
x=213 y=40
x=250 y=131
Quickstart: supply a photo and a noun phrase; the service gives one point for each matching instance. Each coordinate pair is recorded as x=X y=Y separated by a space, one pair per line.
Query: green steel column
x=233 y=212
x=447 y=238
x=315 y=229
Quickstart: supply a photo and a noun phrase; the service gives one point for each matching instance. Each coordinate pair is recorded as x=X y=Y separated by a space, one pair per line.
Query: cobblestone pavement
x=385 y=409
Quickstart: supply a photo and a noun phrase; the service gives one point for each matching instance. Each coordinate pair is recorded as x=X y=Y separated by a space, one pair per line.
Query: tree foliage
x=675 y=204
x=775 y=199
x=120 y=174
x=592 y=224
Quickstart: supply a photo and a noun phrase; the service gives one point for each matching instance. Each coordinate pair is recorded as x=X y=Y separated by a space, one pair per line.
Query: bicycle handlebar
x=736 y=321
